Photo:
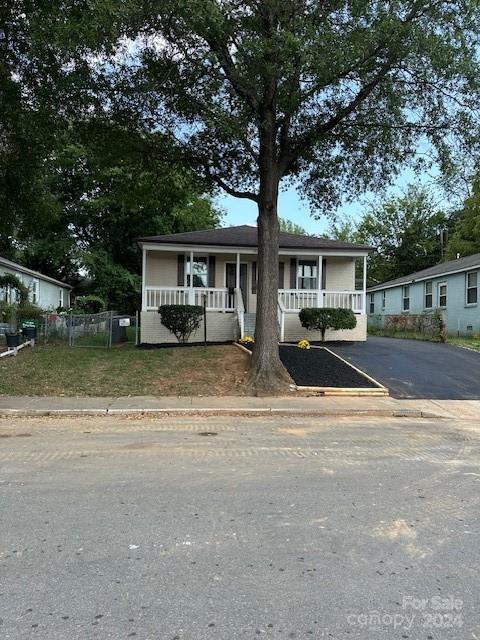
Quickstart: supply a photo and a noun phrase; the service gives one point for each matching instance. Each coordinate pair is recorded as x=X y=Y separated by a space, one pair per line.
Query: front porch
x=225 y=281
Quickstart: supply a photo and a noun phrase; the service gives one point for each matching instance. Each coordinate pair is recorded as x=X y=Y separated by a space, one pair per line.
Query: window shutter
x=293 y=273
x=281 y=275
x=211 y=271
x=324 y=273
x=254 y=277
x=180 y=270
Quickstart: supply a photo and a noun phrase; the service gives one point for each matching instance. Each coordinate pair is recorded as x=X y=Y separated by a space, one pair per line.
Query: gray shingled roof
x=246 y=236
x=36 y=274
x=442 y=269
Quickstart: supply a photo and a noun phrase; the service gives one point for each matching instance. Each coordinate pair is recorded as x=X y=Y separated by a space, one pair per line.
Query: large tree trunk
x=268 y=376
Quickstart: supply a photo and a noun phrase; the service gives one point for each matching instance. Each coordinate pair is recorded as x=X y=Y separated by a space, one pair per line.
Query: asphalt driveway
x=417 y=369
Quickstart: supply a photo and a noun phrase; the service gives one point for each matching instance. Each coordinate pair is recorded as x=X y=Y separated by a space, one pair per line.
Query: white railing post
x=281 y=320
x=144 y=286
x=364 y=293
x=240 y=309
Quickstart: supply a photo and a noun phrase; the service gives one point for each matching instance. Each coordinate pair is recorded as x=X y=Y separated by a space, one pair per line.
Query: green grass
x=471 y=342
x=124 y=370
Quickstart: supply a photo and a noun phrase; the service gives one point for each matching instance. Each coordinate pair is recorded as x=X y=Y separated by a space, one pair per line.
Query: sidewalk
x=236 y=405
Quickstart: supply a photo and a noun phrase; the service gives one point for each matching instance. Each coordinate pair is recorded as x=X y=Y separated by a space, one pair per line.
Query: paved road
x=417 y=369
x=274 y=528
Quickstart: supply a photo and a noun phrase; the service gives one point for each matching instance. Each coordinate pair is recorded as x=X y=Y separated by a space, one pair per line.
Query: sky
x=292 y=207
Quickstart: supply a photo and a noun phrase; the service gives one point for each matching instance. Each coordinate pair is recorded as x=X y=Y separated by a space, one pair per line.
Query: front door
x=231 y=279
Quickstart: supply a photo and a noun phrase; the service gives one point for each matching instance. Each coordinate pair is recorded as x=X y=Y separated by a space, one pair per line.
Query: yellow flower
x=303 y=344
x=247 y=340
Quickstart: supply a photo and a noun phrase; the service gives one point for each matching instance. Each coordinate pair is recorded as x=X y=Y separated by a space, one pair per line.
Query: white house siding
x=161 y=269
x=340 y=274
x=221 y=327
x=294 y=331
x=48 y=293
x=458 y=316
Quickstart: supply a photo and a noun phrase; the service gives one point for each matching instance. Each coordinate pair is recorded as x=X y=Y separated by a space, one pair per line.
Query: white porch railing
x=218 y=299
x=295 y=299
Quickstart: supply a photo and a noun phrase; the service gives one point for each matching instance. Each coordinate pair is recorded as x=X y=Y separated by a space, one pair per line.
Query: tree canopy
x=406 y=231
x=465 y=238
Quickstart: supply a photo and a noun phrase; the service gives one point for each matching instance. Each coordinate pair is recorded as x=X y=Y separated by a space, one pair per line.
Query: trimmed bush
x=181 y=319
x=327 y=318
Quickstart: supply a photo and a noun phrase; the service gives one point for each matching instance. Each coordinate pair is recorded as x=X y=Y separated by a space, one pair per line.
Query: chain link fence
x=96 y=330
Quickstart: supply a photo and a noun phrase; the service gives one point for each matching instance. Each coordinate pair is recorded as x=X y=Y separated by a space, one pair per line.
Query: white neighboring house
x=45 y=292
x=313 y=272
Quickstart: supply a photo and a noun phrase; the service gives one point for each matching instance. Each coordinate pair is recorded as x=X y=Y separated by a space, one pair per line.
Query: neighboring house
x=221 y=264
x=450 y=286
x=45 y=292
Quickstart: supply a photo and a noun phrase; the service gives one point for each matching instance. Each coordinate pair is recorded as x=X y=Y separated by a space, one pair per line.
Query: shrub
x=181 y=319
x=9 y=281
x=247 y=340
x=327 y=318
x=89 y=304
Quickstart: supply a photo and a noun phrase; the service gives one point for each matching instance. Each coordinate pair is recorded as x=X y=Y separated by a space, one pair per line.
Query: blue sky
x=291 y=206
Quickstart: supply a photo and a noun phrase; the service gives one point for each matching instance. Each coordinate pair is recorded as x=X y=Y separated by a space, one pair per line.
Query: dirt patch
x=208 y=371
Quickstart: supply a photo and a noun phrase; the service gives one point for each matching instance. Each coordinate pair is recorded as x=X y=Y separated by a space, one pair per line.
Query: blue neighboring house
x=451 y=287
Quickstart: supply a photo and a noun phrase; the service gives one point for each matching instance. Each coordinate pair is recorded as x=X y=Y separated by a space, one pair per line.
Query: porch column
x=144 y=284
x=364 y=294
x=237 y=278
x=319 y=281
x=191 y=298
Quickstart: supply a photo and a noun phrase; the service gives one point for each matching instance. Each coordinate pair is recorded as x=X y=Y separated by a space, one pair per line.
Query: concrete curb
x=197 y=411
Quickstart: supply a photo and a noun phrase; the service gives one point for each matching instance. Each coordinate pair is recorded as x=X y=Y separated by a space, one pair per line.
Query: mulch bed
x=320 y=368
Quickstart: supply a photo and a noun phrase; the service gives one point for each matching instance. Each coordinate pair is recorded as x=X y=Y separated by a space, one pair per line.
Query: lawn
x=472 y=342
x=124 y=370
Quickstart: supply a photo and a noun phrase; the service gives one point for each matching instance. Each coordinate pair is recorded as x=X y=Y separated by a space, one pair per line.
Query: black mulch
x=320 y=368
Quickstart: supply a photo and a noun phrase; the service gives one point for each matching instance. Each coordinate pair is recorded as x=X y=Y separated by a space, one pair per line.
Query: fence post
x=137 y=328
x=70 y=327
x=110 y=332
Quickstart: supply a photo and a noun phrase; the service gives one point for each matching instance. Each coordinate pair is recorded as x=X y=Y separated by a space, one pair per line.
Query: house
x=450 y=286
x=219 y=266
x=45 y=292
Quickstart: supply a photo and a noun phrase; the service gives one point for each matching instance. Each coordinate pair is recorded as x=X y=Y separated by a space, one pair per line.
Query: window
x=200 y=271
x=442 y=294
x=307 y=274
x=428 y=295
x=405 y=298
x=384 y=295
x=34 y=289
x=60 y=298
x=471 y=282
x=372 y=303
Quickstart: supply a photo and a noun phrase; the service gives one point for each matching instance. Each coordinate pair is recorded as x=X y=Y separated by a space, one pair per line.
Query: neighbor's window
x=60 y=298
x=34 y=287
x=200 y=271
x=372 y=303
x=384 y=295
x=428 y=295
x=442 y=294
x=406 y=297
x=307 y=274
x=472 y=288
